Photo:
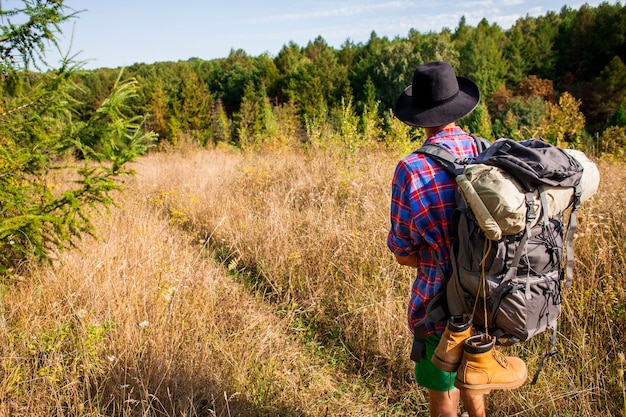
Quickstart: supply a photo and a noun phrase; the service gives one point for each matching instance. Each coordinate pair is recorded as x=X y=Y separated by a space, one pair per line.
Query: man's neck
x=432 y=131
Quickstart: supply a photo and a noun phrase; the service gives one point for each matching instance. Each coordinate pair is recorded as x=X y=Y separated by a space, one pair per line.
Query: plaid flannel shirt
x=422 y=203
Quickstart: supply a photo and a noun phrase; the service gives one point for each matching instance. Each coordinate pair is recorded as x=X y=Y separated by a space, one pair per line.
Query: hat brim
x=439 y=115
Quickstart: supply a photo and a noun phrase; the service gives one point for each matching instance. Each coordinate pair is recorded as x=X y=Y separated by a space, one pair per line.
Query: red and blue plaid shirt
x=422 y=202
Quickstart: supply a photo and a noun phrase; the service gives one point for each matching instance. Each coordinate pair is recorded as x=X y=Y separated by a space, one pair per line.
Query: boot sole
x=486 y=388
x=444 y=366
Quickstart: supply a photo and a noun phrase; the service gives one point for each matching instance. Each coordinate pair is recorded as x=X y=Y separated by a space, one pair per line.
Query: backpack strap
x=481 y=143
x=437 y=308
x=452 y=163
x=572 y=225
x=551 y=351
x=436 y=312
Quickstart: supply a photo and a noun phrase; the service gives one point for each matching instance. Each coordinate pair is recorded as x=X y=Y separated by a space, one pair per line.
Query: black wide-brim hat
x=436 y=97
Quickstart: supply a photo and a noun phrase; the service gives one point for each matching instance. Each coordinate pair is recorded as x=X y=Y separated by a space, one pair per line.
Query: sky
x=116 y=33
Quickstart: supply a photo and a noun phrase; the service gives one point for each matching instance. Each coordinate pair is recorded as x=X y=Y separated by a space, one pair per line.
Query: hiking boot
x=447 y=355
x=483 y=368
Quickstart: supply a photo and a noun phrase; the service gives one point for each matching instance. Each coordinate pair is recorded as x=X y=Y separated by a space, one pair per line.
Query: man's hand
x=410 y=260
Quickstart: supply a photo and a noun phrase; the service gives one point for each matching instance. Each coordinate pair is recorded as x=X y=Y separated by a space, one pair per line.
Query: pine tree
x=618 y=119
x=40 y=139
x=369 y=116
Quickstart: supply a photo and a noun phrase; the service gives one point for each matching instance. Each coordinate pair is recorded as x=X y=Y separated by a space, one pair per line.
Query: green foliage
x=220 y=124
x=521 y=118
x=255 y=120
x=158 y=113
x=478 y=122
x=482 y=58
x=531 y=49
x=613 y=142
x=370 y=121
x=563 y=123
x=440 y=47
x=619 y=117
x=539 y=58
x=606 y=93
x=348 y=127
x=195 y=103
x=22 y=44
x=54 y=166
x=389 y=66
x=589 y=38
x=400 y=136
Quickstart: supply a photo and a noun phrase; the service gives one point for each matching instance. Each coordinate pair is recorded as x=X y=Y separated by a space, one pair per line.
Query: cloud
x=332 y=10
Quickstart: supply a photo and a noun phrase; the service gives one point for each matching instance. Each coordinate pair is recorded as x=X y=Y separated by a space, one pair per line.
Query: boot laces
x=500 y=358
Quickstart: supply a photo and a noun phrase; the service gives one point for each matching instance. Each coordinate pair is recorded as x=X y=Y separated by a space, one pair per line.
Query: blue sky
x=113 y=33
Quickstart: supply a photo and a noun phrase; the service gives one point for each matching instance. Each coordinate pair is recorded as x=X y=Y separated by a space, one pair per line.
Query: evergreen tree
x=220 y=124
x=618 y=119
x=158 y=113
x=440 y=47
x=517 y=55
x=606 y=93
x=369 y=114
x=482 y=58
x=195 y=103
x=39 y=135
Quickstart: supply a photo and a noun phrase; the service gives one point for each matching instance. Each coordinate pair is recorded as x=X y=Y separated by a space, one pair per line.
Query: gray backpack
x=509 y=282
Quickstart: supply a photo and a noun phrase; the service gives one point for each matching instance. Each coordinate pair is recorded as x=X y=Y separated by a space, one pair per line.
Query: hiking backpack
x=511 y=236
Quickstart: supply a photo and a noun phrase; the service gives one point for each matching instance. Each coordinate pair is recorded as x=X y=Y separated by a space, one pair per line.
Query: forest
x=560 y=76
x=207 y=237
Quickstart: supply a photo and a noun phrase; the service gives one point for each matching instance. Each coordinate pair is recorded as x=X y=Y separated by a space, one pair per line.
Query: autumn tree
x=498 y=102
x=563 y=122
x=613 y=142
x=521 y=118
x=532 y=86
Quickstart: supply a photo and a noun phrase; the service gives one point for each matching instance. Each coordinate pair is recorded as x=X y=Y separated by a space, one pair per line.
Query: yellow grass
x=259 y=284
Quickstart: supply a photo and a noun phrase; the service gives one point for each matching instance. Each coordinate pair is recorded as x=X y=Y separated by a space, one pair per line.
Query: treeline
x=561 y=76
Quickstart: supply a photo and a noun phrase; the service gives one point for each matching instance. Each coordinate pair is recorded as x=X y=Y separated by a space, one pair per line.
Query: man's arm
x=409 y=260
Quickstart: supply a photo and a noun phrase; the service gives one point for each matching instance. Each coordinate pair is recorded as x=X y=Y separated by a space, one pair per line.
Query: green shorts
x=428 y=375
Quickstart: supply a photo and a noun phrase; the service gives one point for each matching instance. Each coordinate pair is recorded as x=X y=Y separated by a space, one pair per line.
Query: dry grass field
x=258 y=283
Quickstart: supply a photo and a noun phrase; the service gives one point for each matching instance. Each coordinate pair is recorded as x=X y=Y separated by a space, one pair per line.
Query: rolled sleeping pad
x=591 y=176
x=498 y=201
x=499 y=193
x=560 y=199
x=482 y=214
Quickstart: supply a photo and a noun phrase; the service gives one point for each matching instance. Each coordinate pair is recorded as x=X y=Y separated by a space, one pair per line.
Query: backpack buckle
x=531 y=213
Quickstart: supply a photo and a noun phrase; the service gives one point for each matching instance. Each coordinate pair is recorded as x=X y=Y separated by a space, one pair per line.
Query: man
x=422 y=203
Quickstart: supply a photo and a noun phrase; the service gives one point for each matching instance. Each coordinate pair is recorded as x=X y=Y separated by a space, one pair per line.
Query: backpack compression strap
x=569 y=237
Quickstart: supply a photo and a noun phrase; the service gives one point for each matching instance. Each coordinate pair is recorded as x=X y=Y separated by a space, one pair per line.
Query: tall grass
x=259 y=283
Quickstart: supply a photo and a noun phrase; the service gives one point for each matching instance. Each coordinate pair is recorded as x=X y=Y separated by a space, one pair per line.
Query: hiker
x=422 y=203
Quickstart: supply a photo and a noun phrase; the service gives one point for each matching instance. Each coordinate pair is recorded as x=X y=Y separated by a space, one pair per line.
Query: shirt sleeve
x=403 y=238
